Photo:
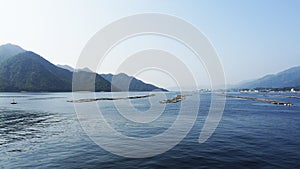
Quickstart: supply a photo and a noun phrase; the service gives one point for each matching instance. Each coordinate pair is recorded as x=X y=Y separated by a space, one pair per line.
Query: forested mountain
x=22 y=70
x=28 y=71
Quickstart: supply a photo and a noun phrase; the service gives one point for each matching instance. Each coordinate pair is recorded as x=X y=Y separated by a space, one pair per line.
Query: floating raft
x=178 y=98
x=292 y=97
x=104 y=98
x=262 y=100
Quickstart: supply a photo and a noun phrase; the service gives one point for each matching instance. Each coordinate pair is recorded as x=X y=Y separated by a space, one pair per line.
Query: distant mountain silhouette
x=287 y=78
x=22 y=70
x=123 y=82
x=67 y=67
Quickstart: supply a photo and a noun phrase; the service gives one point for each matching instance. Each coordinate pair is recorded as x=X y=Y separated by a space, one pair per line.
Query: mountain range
x=121 y=81
x=289 y=78
x=22 y=70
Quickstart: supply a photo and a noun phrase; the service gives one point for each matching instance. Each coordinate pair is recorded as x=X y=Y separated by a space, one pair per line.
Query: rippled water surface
x=42 y=131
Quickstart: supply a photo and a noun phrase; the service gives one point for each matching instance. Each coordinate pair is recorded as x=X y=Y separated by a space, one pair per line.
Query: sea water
x=43 y=131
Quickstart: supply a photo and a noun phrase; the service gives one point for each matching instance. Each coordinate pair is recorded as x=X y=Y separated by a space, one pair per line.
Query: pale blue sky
x=252 y=37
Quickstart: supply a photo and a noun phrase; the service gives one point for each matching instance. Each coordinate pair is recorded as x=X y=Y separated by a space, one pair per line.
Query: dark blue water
x=42 y=131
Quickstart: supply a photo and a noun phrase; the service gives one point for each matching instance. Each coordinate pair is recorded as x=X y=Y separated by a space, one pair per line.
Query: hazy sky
x=252 y=38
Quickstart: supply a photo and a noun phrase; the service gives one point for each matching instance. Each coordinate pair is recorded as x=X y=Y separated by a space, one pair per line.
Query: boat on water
x=13 y=102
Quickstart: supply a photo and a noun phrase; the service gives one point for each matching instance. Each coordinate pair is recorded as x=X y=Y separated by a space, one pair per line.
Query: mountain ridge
x=22 y=70
x=29 y=71
x=122 y=81
x=286 y=78
x=8 y=50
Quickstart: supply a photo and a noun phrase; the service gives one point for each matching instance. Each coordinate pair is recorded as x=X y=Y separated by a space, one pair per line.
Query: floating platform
x=105 y=98
x=262 y=100
x=178 y=98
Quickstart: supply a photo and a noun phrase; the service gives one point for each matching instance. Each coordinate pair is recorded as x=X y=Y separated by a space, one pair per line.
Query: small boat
x=13 y=102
